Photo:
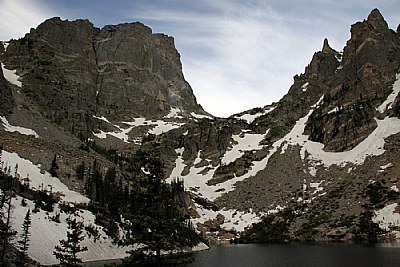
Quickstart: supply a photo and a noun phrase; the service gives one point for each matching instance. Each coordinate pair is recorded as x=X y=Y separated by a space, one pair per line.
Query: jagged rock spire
x=326 y=48
x=376 y=19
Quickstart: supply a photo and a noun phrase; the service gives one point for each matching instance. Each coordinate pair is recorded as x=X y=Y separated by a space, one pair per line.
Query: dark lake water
x=387 y=254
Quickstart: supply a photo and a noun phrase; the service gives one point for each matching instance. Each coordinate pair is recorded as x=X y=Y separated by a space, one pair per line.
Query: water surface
x=342 y=255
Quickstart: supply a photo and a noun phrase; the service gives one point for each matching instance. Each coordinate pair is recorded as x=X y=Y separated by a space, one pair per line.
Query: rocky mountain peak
x=361 y=82
x=368 y=32
x=72 y=71
x=376 y=19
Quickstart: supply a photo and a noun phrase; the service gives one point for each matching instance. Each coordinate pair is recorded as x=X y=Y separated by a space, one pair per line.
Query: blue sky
x=236 y=54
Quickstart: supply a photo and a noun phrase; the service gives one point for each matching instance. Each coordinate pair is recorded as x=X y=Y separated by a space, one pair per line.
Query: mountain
x=321 y=164
x=73 y=70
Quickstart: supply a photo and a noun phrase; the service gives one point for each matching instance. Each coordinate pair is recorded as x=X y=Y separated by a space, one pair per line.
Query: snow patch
x=122 y=134
x=234 y=219
x=249 y=118
x=245 y=142
x=159 y=127
x=384 y=167
x=373 y=145
x=174 y=113
x=38 y=178
x=334 y=110
x=317 y=187
x=275 y=210
x=164 y=126
x=199 y=116
x=304 y=87
x=102 y=118
x=196 y=180
x=387 y=104
x=5 y=44
x=10 y=128
x=179 y=165
x=387 y=217
x=11 y=76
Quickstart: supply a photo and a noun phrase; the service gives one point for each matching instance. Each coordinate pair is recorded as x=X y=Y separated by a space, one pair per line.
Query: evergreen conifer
x=155 y=220
x=23 y=244
x=68 y=250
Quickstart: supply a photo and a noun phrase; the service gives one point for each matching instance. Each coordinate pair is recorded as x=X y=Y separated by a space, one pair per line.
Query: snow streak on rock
x=199 y=116
x=158 y=127
x=249 y=118
x=10 y=128
x=387 y=104
x=11 y=76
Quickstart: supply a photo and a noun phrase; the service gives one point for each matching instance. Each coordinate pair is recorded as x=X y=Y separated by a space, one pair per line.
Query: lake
x=300 y=254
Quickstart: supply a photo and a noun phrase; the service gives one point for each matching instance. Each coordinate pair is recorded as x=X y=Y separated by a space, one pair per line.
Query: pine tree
x=54 y=167
x=1 y=162
x=80 y=171
x=94 y=183
x=23 y=244
x=156 y=221
x=68 y=250
x=6 y=233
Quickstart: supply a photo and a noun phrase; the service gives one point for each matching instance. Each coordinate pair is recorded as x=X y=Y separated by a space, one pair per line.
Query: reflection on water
x=383 y=254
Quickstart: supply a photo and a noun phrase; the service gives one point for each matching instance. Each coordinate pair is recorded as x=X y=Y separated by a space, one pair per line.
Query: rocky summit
x=321 y=164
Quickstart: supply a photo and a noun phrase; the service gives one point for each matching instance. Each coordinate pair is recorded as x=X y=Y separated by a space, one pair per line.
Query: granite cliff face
x=73 y=70
x=140 y=73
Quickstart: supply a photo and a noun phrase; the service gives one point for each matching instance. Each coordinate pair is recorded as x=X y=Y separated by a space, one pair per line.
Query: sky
x=236 y=54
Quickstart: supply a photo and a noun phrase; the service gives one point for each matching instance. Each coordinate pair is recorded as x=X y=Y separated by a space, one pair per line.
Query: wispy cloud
x=19 y=16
